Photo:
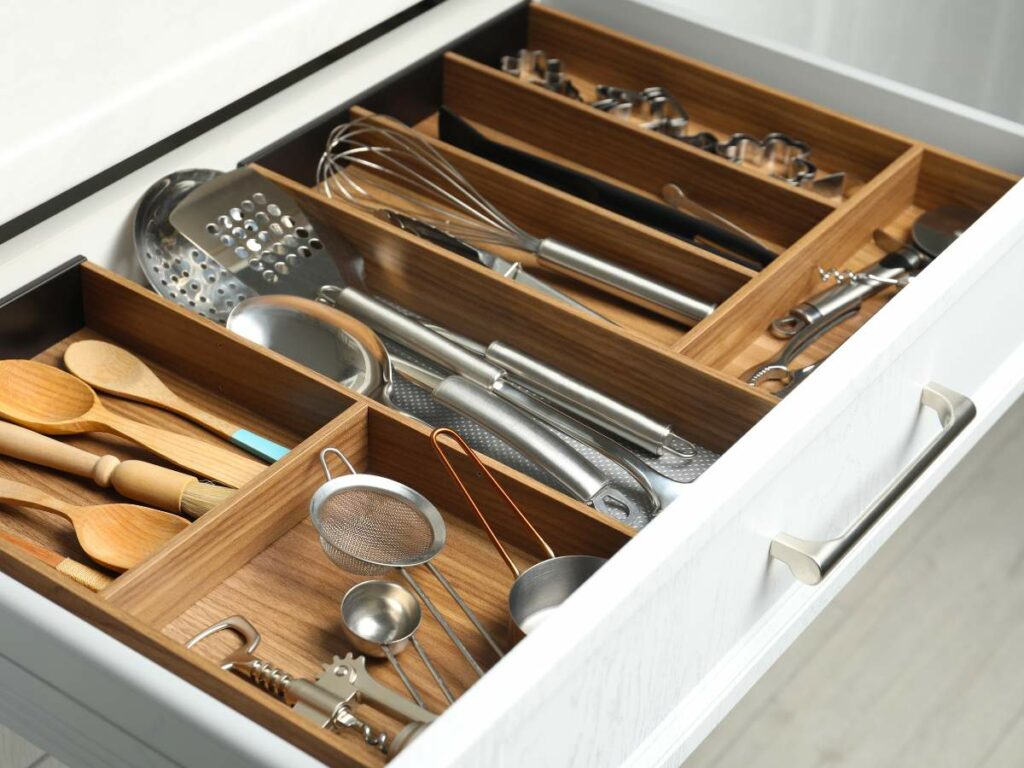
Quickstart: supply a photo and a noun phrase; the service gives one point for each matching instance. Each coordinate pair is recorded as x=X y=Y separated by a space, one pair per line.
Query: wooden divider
x=718 y=100
x=748 y=312
x=767 y=207
x=704 y=406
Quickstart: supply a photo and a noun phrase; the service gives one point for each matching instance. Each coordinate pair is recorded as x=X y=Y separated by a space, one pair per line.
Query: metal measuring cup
x=538 y=590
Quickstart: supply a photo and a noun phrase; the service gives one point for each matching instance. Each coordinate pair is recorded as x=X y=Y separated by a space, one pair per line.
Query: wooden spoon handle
x=255 y=444
x=85 y=575
x=25 y=495
x=205 y=459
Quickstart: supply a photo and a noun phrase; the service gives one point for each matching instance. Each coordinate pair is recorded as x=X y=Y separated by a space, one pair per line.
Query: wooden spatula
x=118 y=536
x=110 y=368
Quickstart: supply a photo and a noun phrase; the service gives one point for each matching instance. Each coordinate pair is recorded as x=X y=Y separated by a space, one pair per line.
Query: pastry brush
x=140 y=481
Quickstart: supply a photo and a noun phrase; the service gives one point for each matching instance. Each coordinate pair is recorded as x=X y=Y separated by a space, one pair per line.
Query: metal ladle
x=540 y=589
x=380 y=619
x=323 y=339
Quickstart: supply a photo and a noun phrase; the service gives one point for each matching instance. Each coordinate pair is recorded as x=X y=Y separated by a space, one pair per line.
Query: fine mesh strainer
x=368 y=524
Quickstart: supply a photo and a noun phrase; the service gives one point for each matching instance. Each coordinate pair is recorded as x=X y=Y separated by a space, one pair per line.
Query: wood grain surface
x=767 y=207
x=716 y=99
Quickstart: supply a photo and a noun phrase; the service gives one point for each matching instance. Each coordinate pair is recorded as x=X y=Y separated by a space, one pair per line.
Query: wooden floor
x=918 y=663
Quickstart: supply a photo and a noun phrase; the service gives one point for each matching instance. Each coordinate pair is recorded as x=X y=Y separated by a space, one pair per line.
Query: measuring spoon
x=118 y=536
x=54 y=402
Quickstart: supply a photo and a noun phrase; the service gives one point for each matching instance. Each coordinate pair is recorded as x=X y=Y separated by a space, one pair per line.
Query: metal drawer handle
x=811 y=561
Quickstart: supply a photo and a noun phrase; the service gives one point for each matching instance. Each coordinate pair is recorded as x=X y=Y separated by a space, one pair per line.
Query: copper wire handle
x=457 y=438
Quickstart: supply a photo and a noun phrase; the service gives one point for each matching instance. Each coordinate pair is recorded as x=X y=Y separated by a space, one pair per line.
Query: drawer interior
x=258 y=555
x=894 y=181
x=201 y=363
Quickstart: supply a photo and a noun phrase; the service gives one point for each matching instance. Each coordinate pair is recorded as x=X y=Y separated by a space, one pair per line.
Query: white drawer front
x=645 y=659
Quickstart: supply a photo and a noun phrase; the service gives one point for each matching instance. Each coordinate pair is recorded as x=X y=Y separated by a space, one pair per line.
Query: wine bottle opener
x=329 y=700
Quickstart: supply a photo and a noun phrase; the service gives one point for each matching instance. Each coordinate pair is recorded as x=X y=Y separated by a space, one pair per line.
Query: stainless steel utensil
x=777 y=368
x=577 y=475
x=512 y=270
x=540 y=589
x=590 y=404
x=324 y=340
x=674 y=195
x=318 y=336
x=380 y=618
x=488 y=365
x=327 y=708
x=404 y=167
x=369 y=524
x=900 y=260
x=469 y=394
x=932 y=233
x=174 y=267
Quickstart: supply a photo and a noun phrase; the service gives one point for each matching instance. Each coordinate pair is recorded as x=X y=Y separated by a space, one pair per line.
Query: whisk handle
x=622 y=282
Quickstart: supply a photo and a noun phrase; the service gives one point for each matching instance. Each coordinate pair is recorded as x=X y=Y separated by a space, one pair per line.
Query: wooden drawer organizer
x=258 y=555
x=893 y=179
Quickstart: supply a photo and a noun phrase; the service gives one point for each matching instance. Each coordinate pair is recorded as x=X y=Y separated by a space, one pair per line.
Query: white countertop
x=132 y=76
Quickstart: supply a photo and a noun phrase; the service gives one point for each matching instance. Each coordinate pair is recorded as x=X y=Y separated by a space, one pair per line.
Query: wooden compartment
x=291 y=591
x=704 y=406
x=715 y=100
x=201 y=362
x=539 y=121
x=737 y=337
x=256 y=554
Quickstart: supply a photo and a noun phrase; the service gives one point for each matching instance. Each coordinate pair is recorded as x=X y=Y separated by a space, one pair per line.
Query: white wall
x=967 y=50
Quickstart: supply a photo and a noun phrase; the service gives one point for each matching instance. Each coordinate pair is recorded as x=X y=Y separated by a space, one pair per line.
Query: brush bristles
x=199 y=498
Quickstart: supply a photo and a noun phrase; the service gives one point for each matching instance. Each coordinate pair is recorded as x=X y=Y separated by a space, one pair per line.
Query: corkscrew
x=846 y=276
x=900 y=263
x=328 y=700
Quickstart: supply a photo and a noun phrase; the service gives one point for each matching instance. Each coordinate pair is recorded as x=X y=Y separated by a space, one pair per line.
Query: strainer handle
x=340 y=455
x=435 y=438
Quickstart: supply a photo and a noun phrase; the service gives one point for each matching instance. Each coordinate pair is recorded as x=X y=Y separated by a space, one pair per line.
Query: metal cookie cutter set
x=776 y=154
x=329 y=700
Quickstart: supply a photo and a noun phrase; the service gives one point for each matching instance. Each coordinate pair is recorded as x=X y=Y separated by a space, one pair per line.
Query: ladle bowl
x=542 y=588
x=312 y=334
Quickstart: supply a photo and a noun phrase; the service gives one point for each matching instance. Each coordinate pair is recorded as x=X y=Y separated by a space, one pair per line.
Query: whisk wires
x=374 y=161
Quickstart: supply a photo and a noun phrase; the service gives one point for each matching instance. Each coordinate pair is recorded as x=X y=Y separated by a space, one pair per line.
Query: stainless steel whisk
x=369 y=524
x=405 y=173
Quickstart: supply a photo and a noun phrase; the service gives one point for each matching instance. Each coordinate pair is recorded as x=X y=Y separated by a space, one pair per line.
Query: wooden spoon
x=54 y=402
x=110 y=368
x=118 y=536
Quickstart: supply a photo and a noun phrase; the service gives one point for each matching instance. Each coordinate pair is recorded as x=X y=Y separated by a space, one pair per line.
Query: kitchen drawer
x=643 y=660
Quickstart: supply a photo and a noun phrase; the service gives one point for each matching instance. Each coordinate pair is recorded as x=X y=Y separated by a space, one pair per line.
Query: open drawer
x=642 y=661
